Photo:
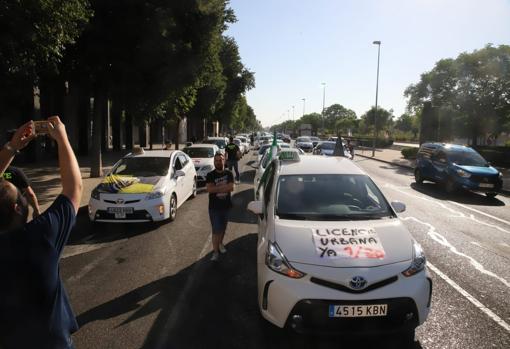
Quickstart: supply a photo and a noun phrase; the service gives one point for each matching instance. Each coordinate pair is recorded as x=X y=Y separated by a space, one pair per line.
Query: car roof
x=216 y=138
x=153 y=154
x=448 y=146
x=320 y=165
x=202 y=145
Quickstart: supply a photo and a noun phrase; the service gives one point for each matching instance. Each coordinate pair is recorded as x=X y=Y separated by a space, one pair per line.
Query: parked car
x=332 y=254
x=144 y=186
x=304 y=143
x=245 y=141
x=315 y=140
x=221 y=142
x=327 y=148
x=456 y=167
x=241 y=146
x=202 y=156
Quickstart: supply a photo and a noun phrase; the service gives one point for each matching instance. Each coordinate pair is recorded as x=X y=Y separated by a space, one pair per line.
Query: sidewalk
x=45 y=177
x=394 y=157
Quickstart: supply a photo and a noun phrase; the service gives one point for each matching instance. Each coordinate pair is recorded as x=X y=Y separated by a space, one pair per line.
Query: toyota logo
x=120 y=201
x=358 y=283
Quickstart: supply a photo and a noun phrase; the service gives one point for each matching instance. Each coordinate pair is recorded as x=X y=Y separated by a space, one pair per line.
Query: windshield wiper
x=293 y=216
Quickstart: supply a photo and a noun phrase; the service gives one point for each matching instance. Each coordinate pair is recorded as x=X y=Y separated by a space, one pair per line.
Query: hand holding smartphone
x=41 y=127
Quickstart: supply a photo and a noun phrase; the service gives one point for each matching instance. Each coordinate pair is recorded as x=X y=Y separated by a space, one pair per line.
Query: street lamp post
x=323 y=103
x=292 y=113
x=378 y=43
x=303 y=99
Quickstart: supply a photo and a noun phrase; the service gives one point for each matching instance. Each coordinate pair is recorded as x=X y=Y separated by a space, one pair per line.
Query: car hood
x=345 y=243
x=199 y=162
x=117 y=184
x=480 y=170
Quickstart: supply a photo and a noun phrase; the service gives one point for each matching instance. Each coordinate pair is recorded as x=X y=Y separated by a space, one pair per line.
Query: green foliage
x=409 y=153
x=338 y=118
x=383 y=117
x=471 y=92
x=35 y=33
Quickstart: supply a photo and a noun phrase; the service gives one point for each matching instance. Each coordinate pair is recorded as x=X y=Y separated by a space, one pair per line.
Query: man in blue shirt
x=34 y=308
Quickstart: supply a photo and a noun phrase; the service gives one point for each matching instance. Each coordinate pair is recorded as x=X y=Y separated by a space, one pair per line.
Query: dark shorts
x=219 y=220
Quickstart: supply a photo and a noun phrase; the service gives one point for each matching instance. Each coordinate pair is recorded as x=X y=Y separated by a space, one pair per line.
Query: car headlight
x=155 y=195
x=95 y=194
x=463 y=173
x=277 y=262
x=500 y=175
x=419 y=261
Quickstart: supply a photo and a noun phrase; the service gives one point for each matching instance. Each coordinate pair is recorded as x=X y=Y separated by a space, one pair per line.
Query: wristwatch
x=9 y=147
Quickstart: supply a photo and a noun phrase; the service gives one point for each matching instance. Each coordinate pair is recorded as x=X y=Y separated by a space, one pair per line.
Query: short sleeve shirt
x=232 y=150
x=34 y=307
x=220 y=201
x=17 y=177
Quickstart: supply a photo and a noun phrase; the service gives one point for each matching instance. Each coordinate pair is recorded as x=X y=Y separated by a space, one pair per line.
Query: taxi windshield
x=329 y=197
x=199 y=152
x=142 y=167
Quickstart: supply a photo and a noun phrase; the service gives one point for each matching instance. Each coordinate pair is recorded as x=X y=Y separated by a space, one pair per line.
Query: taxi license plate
x=358 y=310
x=486 y=185
x=120 y=212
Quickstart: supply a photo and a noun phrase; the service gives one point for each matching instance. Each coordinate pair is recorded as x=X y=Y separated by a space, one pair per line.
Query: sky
x=293 y=46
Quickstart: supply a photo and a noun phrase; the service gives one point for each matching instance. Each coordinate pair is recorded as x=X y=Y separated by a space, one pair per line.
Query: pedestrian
x=220 y=183
x=233 y=156
x=34 y=307
x=351 y=148
x=17 y=177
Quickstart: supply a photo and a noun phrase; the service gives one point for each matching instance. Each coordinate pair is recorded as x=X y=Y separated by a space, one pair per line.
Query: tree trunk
x=96 y=168
x=129 y=131
x=116 y=125
x=177 y=132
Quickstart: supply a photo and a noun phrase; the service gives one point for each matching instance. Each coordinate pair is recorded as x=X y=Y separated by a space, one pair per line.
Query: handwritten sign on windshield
x=335 y=243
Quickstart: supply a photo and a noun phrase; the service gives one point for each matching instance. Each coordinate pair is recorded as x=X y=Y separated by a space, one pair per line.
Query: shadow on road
x=214 y=305
x=239 y=213
x=398 y=169
x=465 y=197
x=248 y=176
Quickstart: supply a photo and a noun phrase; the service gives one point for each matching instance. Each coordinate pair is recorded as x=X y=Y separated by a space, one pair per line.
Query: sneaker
x=215 y=256
x=223 y=249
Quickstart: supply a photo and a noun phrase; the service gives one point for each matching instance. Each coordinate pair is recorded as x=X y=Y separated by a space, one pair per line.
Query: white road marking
x=442 y=240
x=457 y=214
x=470 y=298
x=74 y=250
x=480 y=212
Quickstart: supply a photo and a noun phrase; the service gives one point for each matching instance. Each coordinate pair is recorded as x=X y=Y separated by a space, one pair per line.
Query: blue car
x=456 y=167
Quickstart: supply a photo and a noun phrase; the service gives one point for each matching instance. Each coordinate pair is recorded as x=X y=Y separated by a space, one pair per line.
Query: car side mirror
x=180 y=173
x=255 y=207
x=398 y=206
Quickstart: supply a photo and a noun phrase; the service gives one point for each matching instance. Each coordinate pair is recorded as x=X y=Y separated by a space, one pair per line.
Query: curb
x=504 y=192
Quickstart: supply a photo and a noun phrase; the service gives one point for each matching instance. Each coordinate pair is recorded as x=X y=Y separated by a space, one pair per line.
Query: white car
x=332 y=255
x=246 y=143
x=265 y=160
x=240 y=144
x=221 y=142
x=203 y=159
x=144 y=186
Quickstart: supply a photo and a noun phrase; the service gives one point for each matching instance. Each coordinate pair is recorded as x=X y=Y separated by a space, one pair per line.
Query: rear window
x=199 y=152
x=304 y=139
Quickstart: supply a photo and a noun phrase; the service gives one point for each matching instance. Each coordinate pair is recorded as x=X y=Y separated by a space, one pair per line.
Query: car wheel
x=450 y=186
x=194 y=191
x=491 y=195
x=173 y=207
x=418 y=178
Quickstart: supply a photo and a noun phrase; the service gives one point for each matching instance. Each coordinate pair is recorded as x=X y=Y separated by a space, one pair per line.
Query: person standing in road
x=34 y=307
x=351 y=148
x=220 y=183
x=233 y=156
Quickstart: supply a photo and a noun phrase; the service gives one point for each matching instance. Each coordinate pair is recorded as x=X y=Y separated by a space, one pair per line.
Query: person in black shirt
x=233 y=155
x=220 y=182
x=17 y=177
x=34 y=308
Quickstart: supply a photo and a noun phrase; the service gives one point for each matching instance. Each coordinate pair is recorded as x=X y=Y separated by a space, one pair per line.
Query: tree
x=382 y=117
x=471 y=92
x=335 y=113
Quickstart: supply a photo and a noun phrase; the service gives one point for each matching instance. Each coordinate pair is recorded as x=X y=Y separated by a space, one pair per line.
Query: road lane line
x=470 y=298
x=458 y=214
x=434 y=235
x=74 y=250
x=480 y=212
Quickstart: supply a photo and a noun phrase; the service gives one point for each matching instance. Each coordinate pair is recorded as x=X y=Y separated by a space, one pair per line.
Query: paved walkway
x=395 y=157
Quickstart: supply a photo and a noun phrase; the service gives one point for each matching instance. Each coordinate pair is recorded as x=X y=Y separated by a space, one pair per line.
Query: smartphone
x=41 y=127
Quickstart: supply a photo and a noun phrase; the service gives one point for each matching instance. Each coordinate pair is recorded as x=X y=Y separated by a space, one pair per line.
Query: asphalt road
x=153 y=286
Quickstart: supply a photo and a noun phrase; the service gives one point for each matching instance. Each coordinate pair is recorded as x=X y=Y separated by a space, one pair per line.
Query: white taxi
x=332 y=255
x=202 y=156
x=144 y=186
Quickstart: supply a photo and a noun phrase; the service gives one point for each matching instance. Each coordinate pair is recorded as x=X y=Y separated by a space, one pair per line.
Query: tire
x=491 y=195
x=418 y=178
x=172 y=208
x=194 y=192
x=450 y=186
